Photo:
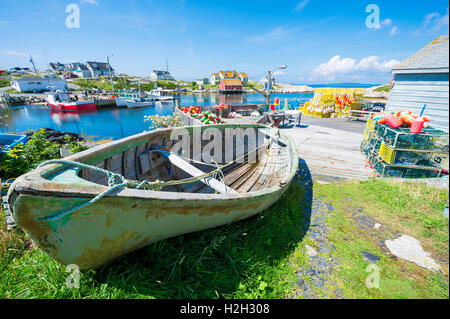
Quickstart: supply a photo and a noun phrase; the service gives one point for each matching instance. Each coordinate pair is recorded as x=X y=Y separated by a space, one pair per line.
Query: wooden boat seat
x=195 y=172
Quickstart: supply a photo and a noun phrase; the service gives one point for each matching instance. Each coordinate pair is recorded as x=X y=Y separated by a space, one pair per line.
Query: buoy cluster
x=205 y=117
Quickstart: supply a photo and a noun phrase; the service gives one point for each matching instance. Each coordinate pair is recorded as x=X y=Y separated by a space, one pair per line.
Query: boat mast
x=110 y=73
x=34 y=66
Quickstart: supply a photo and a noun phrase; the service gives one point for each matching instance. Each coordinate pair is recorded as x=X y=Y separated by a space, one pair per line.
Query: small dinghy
x=97 y=205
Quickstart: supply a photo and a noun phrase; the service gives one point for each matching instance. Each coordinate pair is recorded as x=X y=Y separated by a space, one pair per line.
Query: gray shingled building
x=423 y=79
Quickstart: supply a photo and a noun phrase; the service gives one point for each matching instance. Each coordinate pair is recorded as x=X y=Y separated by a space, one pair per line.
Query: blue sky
x=320 y=41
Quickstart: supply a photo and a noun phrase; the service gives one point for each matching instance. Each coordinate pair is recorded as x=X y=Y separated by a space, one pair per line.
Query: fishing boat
x=92 y=207
x=133 y=99
x=61 y=101
x=159 y=95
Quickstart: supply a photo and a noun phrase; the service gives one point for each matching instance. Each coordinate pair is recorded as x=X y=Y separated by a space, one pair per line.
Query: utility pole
x=269 y=81
x=110 y=73
x=269 y=86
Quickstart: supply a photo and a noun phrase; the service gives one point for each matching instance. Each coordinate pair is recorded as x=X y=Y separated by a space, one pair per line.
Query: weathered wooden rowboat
x=51 y=202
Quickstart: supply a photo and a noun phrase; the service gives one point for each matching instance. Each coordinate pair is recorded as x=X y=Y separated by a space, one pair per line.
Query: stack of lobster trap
x=399 y=153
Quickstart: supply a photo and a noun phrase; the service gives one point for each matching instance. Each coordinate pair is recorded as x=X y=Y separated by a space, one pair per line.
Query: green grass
x=247 y=259
x=257 y=257
x=408 y=208
x=125 y=83
x=4 y=82
x=211 y=86
x=11 y=91
x=384 y=88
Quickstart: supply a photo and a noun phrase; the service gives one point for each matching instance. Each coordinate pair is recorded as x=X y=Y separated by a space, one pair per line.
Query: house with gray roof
x=423 y=79
x=161 y=75
x=99 y=69
x=80 y=69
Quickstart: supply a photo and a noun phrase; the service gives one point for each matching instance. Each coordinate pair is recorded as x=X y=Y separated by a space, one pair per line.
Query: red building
x=2 y=72
x=230 y=86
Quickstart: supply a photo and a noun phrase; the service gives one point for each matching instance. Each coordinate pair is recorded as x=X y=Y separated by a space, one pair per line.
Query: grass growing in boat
x=258 y=257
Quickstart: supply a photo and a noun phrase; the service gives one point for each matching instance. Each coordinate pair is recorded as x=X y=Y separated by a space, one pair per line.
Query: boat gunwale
x=35 y=182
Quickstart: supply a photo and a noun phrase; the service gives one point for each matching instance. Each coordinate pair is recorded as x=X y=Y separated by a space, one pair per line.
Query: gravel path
x=321 y=265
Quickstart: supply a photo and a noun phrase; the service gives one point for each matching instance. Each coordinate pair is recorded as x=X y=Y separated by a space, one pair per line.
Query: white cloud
x=373 y=63
x=338 y=66
x=89 y=1
x=386 y=23
x=394 y=30
x=12 y=52
x=434 y=22
x=301 y=5
x=429 y=18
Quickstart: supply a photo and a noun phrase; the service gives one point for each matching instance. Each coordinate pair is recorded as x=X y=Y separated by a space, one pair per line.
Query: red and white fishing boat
x=60 y=100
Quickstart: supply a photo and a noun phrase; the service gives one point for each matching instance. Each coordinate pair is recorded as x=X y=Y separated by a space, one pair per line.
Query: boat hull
x=132 y=105
x=74 y=107
x=113 y=227
x=120 y=102
x=128 y=219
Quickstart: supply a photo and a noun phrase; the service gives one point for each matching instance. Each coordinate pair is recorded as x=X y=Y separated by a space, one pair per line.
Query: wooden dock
x=330 y=152
x=108 y=103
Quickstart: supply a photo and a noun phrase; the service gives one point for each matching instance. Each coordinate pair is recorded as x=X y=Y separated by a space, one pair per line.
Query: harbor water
x=118 y=123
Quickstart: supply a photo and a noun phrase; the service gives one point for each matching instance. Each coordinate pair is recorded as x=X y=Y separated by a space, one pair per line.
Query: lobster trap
x=399 y=153
x=384 y=169
x=401 y=138
x=414 y=157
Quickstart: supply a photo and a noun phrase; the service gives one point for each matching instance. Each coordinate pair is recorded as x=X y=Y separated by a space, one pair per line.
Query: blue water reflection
x=116 y=124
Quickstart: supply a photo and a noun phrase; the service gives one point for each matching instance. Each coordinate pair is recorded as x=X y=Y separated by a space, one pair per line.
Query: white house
x=215 y=79
x=35 y=84
x=161 y=75
x=244 y=77
x=202 y=81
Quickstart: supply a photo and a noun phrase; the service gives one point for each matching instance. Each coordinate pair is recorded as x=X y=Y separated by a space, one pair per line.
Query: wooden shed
x=230 y=86
x=423 y=79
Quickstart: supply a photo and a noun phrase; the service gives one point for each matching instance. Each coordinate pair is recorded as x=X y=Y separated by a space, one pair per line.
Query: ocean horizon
x=340 y=85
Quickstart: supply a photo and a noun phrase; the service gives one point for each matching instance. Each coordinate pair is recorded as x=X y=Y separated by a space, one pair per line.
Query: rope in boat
x=5 y=185
x=114 y=185
x=117 y=181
